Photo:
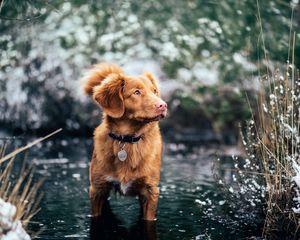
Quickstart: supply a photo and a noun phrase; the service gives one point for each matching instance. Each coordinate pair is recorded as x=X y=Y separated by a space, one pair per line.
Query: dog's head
x=122 y=96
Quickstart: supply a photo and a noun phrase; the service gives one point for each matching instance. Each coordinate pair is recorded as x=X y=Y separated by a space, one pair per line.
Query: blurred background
x=207 y=54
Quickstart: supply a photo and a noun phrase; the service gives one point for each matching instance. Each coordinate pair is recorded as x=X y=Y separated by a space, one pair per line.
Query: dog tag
x=122 y=155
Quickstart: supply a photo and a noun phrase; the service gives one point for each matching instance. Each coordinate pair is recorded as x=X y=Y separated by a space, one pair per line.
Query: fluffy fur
x=131 y=106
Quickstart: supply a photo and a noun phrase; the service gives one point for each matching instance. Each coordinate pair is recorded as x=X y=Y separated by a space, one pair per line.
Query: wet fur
x=125 y=114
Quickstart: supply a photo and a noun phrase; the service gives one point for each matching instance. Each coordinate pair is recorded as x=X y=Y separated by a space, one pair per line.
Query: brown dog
x=128 y=143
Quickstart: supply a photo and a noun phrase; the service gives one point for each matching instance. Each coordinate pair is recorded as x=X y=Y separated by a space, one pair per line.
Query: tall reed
x=23 y=191
x=273 y=142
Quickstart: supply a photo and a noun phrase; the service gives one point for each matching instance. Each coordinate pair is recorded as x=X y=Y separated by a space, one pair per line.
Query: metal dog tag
x=122 y=155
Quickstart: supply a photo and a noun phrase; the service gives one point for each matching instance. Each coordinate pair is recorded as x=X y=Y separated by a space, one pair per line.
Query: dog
x=128 y=143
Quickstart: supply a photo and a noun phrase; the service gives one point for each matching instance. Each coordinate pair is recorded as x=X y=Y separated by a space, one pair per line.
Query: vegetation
x=277 y=147
x=19 y=198
x=269 y=176
x=272 y=147
x=49 y=45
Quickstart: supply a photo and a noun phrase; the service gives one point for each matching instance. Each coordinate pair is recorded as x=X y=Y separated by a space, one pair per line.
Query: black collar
x=125 y=138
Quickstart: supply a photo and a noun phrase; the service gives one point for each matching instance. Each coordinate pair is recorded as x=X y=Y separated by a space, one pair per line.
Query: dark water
x=191 y=206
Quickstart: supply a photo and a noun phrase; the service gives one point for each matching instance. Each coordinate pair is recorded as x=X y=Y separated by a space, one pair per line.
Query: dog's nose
x=161 y=105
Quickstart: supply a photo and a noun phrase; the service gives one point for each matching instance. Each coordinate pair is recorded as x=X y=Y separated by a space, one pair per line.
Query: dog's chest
x=124 y=188
x=130 y=155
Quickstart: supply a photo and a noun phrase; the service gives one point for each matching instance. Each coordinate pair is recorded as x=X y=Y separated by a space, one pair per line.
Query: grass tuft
x=272 y=146
x=23 y=192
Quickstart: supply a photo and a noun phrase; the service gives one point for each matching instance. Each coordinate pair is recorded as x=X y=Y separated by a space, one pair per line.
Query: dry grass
x=23 y=192
x=269 y=176
x=274 y=140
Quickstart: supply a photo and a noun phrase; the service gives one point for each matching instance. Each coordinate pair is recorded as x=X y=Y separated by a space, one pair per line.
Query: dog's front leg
x=98 y=195
x=148 y=201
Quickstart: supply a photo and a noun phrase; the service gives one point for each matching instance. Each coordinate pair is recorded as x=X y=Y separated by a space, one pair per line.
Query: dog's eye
x=155 y=91
x=137 y=92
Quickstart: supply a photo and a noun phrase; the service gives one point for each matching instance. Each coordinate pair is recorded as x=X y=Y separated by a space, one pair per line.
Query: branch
x=1 y=4
x=29 y=145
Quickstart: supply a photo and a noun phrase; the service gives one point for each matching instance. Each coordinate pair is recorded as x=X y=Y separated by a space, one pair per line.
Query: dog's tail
x=97 y=74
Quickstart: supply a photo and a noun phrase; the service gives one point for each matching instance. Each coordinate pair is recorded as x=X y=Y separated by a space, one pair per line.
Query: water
x=191 y=206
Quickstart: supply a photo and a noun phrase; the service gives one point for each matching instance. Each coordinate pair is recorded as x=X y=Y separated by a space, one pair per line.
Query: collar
x=125 y=138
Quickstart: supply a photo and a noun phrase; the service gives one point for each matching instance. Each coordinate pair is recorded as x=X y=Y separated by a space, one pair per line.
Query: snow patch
x=10 y=228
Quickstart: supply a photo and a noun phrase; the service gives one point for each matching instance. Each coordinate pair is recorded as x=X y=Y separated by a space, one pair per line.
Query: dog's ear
x=97 y=74
x=153 y=80
x=109 y=94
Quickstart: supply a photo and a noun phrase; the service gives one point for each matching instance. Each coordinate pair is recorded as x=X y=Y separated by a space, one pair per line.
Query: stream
x=191 y=203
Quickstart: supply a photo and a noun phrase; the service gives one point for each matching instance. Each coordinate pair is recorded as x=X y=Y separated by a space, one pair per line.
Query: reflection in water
x=109 y=227
x=190 y=205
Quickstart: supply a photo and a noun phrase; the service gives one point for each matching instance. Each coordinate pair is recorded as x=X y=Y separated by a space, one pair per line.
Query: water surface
x=191 y=205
